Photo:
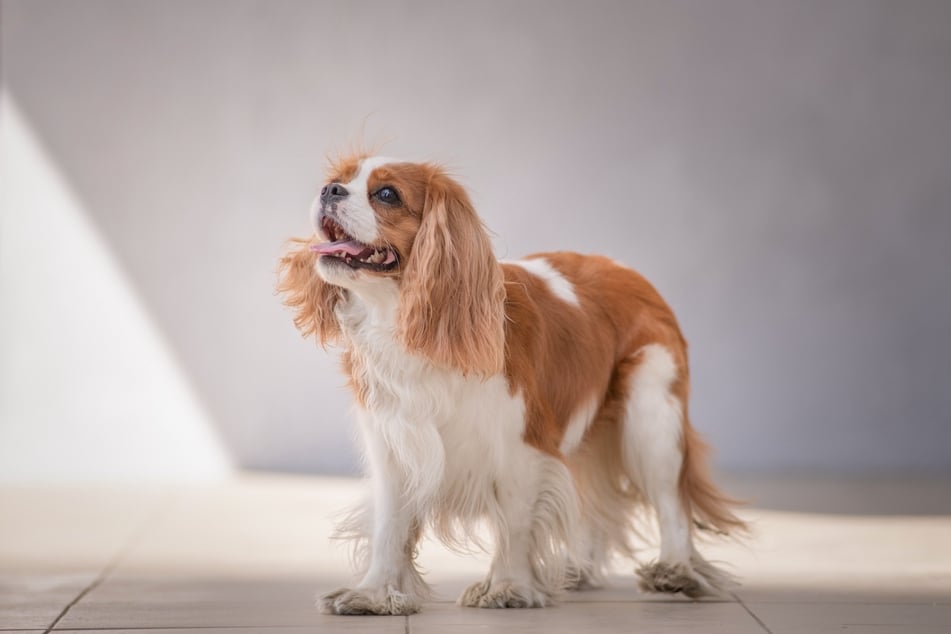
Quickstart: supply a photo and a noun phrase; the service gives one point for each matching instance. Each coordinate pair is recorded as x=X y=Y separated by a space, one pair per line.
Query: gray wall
x=780 y=170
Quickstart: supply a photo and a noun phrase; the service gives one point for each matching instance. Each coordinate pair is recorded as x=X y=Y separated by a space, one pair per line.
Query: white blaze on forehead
x=557 y=283
x=356 y=214
x=367 y=166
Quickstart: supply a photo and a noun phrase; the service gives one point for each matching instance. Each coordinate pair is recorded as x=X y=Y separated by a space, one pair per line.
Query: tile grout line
x=136 y=535
x=92 y=586
x=149 y=628
x=750 y=612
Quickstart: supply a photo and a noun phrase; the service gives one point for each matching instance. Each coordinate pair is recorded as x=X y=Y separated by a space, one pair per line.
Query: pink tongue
x=350 y=247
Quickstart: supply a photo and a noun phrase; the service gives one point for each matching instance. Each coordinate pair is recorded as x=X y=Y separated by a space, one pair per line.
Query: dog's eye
x=387 y=195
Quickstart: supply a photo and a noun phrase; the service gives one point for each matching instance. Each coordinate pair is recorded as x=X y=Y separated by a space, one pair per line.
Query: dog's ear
x=452 y=293
x=312 y=299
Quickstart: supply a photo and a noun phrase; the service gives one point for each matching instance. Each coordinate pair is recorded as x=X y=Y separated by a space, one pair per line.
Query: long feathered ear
x=452 y=293
x=312 y=298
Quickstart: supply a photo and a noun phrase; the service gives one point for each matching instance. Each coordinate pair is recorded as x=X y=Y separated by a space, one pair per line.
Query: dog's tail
x=709 y=508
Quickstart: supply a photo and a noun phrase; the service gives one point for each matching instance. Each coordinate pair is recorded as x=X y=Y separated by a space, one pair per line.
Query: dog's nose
x=333 y=191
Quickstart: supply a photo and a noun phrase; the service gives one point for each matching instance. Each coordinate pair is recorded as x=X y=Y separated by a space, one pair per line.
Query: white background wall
x=780 y=170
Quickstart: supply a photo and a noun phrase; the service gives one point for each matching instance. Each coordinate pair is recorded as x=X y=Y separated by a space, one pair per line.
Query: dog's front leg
x=391 y=584
x=536 y=529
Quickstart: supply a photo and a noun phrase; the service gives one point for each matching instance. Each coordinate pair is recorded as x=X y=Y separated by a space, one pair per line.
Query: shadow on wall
x=89 y=388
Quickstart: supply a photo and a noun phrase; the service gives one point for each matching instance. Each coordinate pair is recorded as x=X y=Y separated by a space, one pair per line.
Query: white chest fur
x=453 y=437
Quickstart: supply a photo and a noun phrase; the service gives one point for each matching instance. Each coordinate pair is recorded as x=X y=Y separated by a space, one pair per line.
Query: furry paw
x=581 y=580
x=504 y=594
x=386 y=600
x=659 y=576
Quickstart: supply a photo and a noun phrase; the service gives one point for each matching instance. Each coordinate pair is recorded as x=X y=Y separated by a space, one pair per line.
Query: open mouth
x=355 y=254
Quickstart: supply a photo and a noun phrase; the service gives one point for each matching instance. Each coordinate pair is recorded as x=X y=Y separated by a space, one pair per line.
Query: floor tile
x=250 y=556
x=256 y=525
x=660 y=618
x=796 y=557
x=902 y=589
x=49 y=529
x=819 y=618
x=351 y=625
x=34 y=601
x=163 y=601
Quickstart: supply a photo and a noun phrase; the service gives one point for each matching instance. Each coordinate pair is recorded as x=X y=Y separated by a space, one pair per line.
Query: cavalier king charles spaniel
x=543 y=398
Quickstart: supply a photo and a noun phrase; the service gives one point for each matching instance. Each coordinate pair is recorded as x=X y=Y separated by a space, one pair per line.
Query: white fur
x=578 y=425
x=446 y=450
x=557 y=283
x=653 y=434
x=354 y=212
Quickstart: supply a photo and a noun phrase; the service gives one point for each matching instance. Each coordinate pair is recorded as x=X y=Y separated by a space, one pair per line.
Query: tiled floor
x=247 y=557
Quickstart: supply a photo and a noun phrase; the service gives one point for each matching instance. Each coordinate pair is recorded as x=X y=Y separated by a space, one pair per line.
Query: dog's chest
x=475 y=424
x=477 y=421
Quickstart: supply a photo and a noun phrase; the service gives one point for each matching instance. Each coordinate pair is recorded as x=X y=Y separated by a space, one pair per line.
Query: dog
x=544 y=398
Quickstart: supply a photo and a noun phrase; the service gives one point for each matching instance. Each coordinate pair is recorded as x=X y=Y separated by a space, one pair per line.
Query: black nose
x=333 y=191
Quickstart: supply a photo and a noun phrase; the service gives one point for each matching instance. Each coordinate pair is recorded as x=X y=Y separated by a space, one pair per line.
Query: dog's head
x=382 y=224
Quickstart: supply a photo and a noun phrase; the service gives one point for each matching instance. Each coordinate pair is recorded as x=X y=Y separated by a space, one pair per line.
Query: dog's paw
x=503 y=594
x=386 y=600
x=582 y=580
x=659 y=576
x=583 y=583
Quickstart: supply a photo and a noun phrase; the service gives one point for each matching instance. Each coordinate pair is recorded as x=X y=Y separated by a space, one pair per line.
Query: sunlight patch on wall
x=89 y=390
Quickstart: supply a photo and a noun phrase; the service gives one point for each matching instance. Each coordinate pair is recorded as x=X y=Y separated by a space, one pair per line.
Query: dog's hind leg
x=654 y=449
